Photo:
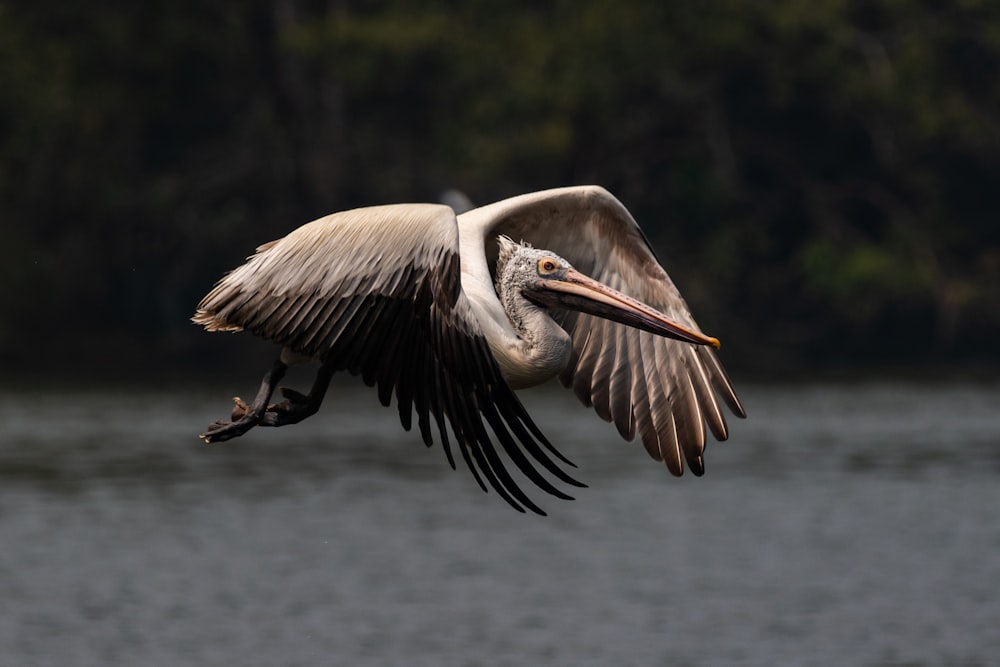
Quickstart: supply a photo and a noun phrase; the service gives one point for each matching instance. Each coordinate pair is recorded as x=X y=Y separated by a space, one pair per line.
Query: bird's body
x=449 y=315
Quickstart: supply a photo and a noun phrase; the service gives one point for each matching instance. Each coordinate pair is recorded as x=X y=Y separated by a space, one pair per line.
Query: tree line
x=818 y=176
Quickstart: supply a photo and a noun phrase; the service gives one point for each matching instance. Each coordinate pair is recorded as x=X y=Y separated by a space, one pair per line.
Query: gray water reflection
x=842 y=525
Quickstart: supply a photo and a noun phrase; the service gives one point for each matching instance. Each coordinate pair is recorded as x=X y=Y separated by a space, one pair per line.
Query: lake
x=842 y=524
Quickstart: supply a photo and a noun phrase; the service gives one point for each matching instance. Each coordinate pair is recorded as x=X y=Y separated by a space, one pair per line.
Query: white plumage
x=449 y=316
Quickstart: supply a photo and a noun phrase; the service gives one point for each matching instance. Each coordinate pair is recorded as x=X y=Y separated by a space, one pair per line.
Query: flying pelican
x=451 y=315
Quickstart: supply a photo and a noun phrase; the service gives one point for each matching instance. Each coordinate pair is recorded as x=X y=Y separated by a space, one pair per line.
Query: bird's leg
x=246 y=417
x=296 y=405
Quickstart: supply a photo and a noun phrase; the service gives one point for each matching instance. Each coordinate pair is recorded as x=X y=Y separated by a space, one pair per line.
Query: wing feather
x=620 y=389
x=377 y=293
x=639 y=396
x=603 y=345
x=581 y=382
x=662 y=389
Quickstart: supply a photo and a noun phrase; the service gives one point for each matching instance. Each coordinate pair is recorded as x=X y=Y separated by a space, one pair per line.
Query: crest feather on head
x=507 y=249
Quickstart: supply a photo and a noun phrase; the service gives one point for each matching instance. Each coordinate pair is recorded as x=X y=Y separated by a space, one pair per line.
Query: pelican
x=451 y=315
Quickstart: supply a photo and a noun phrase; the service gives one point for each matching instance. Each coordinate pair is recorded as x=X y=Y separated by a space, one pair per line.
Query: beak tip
x=714 y=342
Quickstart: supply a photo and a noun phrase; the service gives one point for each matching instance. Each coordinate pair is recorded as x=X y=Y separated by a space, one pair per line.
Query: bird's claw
x=240 y=409
x=294 y=408
x=216 y=431
x=239 y=423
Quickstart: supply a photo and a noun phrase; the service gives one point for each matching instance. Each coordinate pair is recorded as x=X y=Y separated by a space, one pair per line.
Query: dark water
x=841 y=525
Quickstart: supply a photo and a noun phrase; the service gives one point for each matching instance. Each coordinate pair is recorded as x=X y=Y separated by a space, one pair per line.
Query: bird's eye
x=547 y=266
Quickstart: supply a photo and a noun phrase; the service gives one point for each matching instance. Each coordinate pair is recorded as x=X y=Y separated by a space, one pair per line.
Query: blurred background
x=819 y=177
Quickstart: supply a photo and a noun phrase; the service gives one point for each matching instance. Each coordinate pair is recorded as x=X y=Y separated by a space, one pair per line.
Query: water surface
x=841 y=525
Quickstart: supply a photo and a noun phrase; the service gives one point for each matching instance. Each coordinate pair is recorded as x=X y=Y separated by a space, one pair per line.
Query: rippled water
x=841 y=525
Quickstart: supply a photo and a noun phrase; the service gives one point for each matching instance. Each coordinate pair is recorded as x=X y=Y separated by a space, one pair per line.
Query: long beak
x=575 y=291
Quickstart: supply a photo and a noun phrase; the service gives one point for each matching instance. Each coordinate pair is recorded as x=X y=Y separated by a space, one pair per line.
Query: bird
x=452 y=313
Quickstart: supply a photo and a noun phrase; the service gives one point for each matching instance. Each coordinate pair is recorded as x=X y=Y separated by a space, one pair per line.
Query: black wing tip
x=675 y=470
x=734 y=403
x=555 y=452
x=697 y=466
x=522 y=503
x=559 y=494
x=535 y=509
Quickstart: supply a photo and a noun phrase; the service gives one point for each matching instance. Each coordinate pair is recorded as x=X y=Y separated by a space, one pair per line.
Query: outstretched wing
x=377 y=292
x=664 y=390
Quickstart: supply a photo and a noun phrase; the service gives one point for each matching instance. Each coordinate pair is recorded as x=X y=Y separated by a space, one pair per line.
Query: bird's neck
x=539 y=348
x=529 y=348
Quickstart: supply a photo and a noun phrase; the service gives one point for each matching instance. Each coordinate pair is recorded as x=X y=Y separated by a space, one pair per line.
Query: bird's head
x=547 y=280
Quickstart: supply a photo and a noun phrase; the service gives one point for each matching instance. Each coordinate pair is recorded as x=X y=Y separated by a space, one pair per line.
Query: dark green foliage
x=820 y=176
